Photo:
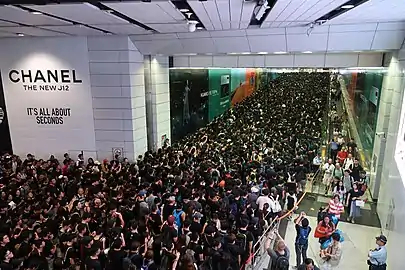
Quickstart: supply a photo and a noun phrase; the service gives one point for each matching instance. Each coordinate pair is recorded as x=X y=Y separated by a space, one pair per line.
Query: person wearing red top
x=335 y=207
x=342 y=155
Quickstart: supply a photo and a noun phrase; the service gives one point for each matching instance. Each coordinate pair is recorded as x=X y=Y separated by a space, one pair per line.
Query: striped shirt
x=335 y=208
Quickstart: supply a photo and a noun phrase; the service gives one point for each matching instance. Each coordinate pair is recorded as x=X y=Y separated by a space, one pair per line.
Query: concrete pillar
x=157 y=100
x=118 y=90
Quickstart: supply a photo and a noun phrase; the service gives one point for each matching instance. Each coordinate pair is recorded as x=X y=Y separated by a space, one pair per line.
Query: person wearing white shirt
x=328 y=169
x=349 y=163
x=263 y=199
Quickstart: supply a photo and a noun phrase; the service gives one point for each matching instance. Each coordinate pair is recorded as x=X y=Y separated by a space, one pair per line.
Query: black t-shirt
x=168 y=210
x=115 y=259
x=354 y=194
x=197 y=250
x=196 y=227
x=70 y=253
x=155 y=223
x=93 y=264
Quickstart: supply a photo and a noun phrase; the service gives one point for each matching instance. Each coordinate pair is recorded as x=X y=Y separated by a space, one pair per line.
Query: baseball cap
x=381 y=238
x=197 y=215
x=142 y=192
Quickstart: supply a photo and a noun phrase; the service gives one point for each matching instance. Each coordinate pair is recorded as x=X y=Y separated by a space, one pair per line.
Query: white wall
x=117 y=85
x=391 y=198
x=331 y=60
x=30 y=111
x=158 y=99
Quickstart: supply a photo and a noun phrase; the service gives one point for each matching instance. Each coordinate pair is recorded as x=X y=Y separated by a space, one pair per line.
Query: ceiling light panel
x=146 y=13
x=75 y=30
x=374 y=11
x=31 y=31
x=82 y=13
x=14 y=14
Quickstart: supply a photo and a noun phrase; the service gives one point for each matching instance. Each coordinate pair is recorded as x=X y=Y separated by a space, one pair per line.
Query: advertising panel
x=47 y=90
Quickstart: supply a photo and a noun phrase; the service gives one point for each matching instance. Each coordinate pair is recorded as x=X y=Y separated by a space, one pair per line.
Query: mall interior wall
x=390 y=138
x=329 y=60
x=157 y=100
x=72 y=94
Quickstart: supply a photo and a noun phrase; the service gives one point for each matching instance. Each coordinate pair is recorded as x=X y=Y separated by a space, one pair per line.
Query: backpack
x=127 y=263
x=282 y=262
x=303 y=236
x=177 y=219
x=241 y=241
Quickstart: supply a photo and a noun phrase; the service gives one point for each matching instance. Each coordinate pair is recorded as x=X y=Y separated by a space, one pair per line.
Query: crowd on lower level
x=201 y=203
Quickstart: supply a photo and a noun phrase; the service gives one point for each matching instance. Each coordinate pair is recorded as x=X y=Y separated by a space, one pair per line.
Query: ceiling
x=160 y=27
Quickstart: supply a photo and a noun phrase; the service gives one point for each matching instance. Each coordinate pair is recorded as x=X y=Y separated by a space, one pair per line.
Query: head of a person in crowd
x=346 y=173
x=280 y=245
x=363 y=174
x=326 y=221
x=355 y=187
x=265 y=192
x=381 y=240
x=349 y=156
x=337 y=165
x=336 y=198
x=330 y=161
x=305 y=223
x=309 y=264
x=356 y=162
x=336 y=237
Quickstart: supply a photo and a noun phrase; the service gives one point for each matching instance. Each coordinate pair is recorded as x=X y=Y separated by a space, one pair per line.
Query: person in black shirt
x=6 y=263
x=196 y=226
x=116 y=255
x=92 y=262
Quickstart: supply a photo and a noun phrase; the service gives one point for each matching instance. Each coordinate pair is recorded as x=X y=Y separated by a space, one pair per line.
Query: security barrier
x=258 y=257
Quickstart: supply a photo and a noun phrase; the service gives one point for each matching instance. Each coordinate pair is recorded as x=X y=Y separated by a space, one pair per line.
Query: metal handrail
x=259 y=246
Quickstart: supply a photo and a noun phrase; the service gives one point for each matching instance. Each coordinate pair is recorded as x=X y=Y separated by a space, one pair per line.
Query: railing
x=257 y=258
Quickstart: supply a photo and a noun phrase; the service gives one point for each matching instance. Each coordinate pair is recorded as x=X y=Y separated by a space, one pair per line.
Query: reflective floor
x=359 y=239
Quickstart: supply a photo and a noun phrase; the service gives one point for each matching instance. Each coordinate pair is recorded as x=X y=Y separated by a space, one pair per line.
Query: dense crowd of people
x=201 y=203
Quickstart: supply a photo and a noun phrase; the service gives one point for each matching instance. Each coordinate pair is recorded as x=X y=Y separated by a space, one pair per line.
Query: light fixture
x=188 y=14
x=262 y=53
x=200 y=28
x=307 y=52
x=36 y=13
x=347 y=6
x=280 y=52
x=20 y=34
x=193 y=22
x=245 y=53
x=184 y=10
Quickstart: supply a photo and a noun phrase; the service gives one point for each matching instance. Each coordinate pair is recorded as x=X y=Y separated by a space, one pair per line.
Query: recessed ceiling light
x=347 y=6
x=36 y=13
x=233 y=53
x=200 y=28
x=193 y=22
x=307 y=52
x=280 y=52
x=20 y=34
x=184 y=10
x=245 y=53
x=262 y=53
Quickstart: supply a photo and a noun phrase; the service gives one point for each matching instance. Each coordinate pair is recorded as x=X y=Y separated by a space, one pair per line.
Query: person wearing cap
x=377 y=258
